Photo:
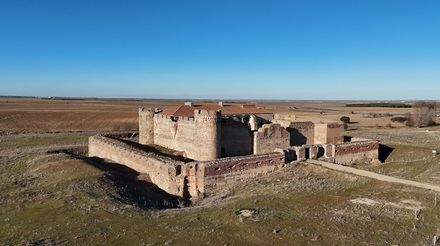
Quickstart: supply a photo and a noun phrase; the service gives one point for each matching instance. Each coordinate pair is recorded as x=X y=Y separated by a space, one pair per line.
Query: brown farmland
x=51 y=193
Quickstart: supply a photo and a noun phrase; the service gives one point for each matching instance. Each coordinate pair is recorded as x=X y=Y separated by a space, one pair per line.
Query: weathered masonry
x=189 y=180
x=229 y=130
x=203 y=133
x=355 y=152
x=224 y=144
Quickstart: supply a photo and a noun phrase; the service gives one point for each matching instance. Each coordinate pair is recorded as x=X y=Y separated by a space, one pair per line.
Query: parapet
x=211 y=113
x=118 y=145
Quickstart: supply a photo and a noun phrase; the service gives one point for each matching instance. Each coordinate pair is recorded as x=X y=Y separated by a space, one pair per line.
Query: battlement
x=174 y=118
x=211 y=113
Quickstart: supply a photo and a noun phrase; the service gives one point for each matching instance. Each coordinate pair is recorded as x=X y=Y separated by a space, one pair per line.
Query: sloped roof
x=188 y=111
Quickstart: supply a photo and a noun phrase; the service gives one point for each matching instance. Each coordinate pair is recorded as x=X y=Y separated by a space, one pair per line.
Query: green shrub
x=345 y=119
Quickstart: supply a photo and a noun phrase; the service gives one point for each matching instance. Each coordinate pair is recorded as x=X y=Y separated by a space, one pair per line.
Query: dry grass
x=50 y=197
x=35 y=115
x=31 y=115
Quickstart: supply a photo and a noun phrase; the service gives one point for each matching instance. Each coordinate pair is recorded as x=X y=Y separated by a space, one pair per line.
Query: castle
x=225 y=144
x=207 y=131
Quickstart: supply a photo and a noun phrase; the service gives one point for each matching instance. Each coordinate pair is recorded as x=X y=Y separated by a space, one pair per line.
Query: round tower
x=207 y=125
x=146 y=126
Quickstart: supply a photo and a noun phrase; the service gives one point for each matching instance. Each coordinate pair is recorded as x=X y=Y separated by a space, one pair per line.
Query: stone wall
x=176 y=134
x=188 y=180
x=160 y=170
x=269 y=138
x=284 y=119
x=228 y=171
x=356 y=152
x=334 y=133
x=186 y=134
x=320 y=134
x=325 y=133
x=301 y=133
x=208 y=134
x=146 y=126
x=236 y=138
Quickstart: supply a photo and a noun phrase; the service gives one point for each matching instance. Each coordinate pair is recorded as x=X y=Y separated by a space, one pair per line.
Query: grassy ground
x=22 y=142
x=411 y=154
x=50 y=197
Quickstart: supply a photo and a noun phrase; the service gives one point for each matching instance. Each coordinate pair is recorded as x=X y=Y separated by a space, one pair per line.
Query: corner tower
x=207 y=124
x=146 y=126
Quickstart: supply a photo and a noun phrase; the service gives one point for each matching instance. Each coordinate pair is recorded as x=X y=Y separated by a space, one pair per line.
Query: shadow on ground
x=384 y=152
x=133 y=187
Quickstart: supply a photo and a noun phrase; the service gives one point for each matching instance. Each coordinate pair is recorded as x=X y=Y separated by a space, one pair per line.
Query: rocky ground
x=50 y=194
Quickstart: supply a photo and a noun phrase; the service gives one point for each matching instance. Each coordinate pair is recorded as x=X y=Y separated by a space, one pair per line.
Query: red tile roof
x=233 y=109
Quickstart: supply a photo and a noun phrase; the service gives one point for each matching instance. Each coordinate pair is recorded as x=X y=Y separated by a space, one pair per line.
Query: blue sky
x=354 y=49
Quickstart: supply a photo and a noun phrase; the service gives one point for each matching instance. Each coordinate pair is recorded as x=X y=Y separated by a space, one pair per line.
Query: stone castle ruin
x=222 y=144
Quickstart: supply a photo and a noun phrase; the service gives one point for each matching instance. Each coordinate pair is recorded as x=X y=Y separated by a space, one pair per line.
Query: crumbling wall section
x=188 y=180
x=271 y=137
x=146 y=125
x=328 y=133
x=301 y=133
x=334 y=133
x=236 y=138
x=320 y=133
x=284 y=119
x=356 y=152
x=230 y=170
x=160 y=170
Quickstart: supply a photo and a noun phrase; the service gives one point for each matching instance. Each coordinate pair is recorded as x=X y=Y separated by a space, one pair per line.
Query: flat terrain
x=44 y=115
x=33 y=115
x=51 y=194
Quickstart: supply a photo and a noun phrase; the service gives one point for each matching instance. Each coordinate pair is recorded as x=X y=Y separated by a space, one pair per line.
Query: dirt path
x=374 y=175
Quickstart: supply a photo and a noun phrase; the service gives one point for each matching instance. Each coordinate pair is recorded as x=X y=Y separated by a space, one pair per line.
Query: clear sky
x=353 y=49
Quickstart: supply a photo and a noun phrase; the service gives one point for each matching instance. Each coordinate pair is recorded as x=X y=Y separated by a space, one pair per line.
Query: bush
x=422 y=113
x=345 y=119
x=400 y=119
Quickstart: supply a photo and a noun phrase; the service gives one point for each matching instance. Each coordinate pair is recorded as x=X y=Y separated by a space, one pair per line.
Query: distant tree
x=400 y=119
x=422 y=113
x=345 y=119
